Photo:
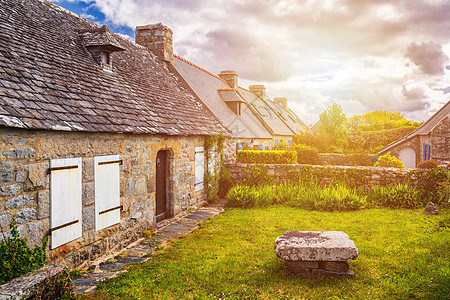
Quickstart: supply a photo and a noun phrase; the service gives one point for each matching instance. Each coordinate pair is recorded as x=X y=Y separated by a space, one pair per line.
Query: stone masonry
x=25 y=185
x=315 y=253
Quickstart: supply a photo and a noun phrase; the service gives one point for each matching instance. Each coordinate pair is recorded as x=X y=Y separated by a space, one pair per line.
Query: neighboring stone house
x=100 y=137
x=429 y=141
x=255 y=121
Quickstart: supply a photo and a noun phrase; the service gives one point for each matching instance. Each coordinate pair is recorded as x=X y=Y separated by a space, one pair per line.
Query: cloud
x=429 y=57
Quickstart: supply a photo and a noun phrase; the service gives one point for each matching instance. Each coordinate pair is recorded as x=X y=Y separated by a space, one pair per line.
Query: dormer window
x=105 y=58
x=100 y=42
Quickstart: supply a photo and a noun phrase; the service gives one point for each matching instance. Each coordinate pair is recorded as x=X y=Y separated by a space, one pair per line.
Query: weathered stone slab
x=315 y=246
x=431 y=209
x=22 y=287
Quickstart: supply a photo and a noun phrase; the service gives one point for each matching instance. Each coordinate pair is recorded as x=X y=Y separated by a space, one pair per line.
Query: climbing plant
x=16 y=257
x=214 y=156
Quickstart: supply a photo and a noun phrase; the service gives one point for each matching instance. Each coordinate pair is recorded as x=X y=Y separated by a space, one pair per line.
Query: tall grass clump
x=401 y=195
x=337 y=198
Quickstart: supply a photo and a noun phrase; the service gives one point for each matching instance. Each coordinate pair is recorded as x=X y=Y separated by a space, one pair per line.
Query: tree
x=333 y=123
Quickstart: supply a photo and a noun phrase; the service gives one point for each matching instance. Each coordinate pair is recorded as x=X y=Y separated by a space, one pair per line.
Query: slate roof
x=425 y=128
x=48 y=79
x=288 y=117
x=266 y=113
x=214 y=92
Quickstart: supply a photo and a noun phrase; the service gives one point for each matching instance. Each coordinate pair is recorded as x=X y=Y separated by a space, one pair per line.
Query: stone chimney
x=259 y=90
x=281 y=101
x=156 y=38
x=230 y=77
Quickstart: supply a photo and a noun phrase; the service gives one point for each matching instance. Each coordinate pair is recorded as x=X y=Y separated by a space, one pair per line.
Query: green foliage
x=225 y=182
x=266 y=157
x=379 y=120
x=257 y=175
x=389 y=161
x=282 y=145
x=317 y=140
x=306 y=154
x=242 y=196
x=428 y=164
x=213 y=147
x=434 y=185
x=16 y=257
x=332 y=123
x=58 y=286
x=337 y=198
x=400 y=195
x=402 y=256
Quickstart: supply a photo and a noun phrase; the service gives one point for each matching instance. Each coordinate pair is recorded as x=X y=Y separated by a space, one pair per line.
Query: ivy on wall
x=214 y=156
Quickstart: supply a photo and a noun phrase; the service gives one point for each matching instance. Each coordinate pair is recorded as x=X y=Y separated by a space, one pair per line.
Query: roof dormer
x=100 y=42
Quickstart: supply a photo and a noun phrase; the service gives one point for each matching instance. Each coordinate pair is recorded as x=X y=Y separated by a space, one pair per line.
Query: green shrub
x=266 y=157
x=337 y=198
x=389 y=161
x=434 y=185
x=16 y=258
x=428 y=164
x=401 y=195
x=307 y=154
x=58 y=286
x=242 y=196
x=225 y=182
x=257 y=175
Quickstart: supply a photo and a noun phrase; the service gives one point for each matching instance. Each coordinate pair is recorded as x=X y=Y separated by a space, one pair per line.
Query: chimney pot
x=157 y=38
x=258 y=89
x=230 y=77
x=281 y=101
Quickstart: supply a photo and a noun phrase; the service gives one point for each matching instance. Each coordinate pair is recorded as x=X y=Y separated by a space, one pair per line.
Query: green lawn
x=402 y=254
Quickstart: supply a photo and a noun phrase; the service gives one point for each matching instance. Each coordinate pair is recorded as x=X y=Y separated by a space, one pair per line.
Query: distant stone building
x=100 y=138
x=429 y=141
x=255 y=121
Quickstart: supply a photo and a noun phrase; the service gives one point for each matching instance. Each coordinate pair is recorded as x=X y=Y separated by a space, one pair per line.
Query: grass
x=402 y=254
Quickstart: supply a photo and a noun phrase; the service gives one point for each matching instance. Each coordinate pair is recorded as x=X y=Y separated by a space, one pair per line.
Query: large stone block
x=19 y=201
x=140 y=186
x=38 y=177
x=9 y=190
x=88 y=169
x=88 y=193
x=43 y=200
x=26 y=215
x=6 y=172
x=36 y=231
x=315 y=246
x=88 y=218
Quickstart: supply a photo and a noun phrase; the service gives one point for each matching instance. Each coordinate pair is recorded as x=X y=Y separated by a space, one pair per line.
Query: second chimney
x=281 y=101
x=259 y=90
x=157 y=38
x=230 y=77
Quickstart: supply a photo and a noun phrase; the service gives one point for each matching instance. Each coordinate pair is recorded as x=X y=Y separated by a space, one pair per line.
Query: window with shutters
x=199 y=167
x=107 y=191
x=65 y=200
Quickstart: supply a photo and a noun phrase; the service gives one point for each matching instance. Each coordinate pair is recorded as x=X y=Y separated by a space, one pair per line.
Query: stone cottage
x=429 y=141
x=254 y=120
x=100 y=138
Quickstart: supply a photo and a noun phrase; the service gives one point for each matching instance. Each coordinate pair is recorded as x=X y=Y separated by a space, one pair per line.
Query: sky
x=364 y=55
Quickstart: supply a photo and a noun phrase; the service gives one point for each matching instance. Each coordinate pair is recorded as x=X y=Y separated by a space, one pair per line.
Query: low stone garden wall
x=353 y=176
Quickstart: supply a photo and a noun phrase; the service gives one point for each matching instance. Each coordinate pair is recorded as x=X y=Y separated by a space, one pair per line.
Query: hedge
x=266 y=157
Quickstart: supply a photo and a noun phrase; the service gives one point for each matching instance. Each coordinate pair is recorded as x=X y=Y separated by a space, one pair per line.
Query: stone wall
x=25 y=185
x=230 y=149
x=367 y=176
x=440 y=141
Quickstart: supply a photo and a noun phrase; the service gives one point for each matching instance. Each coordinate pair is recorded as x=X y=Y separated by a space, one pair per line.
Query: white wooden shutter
x=199 y=168
x=65 y=197
x=107 y=191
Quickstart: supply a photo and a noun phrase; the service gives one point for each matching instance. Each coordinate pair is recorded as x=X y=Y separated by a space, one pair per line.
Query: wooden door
x=161 y=185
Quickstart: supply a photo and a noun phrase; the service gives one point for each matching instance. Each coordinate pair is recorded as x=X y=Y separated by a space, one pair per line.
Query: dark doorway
x=162 y=169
